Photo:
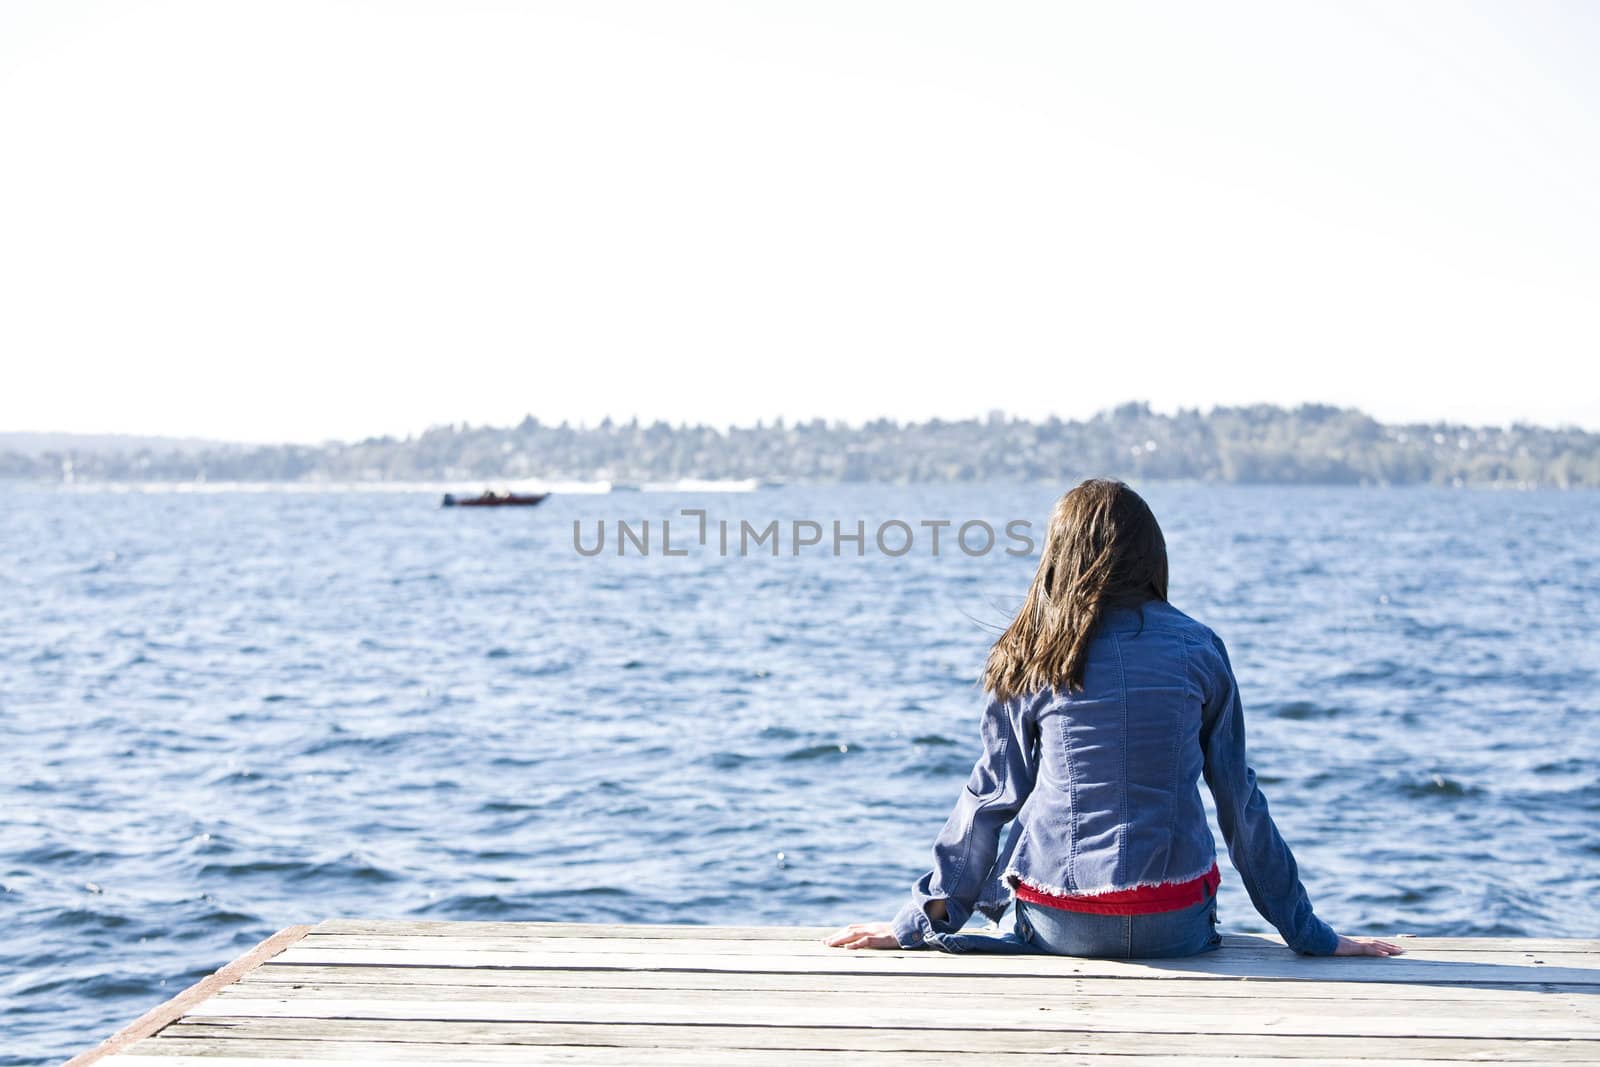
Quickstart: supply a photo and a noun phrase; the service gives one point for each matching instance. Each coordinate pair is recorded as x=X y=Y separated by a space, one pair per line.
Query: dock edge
x=170 y=1010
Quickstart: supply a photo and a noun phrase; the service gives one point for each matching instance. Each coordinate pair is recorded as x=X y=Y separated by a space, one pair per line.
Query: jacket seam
x=1072 y=798
x=1172 y=757
x=1122 y=828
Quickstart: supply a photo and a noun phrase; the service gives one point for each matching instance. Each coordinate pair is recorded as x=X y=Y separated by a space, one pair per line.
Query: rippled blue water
x=221 y=714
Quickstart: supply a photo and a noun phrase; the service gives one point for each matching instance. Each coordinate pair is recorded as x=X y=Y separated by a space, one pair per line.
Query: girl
x=1105 y=706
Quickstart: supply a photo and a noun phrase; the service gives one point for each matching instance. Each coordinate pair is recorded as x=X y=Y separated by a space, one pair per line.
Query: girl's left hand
x=863 y=935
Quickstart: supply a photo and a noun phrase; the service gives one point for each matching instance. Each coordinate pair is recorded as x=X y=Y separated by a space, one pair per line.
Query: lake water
x=224 y=713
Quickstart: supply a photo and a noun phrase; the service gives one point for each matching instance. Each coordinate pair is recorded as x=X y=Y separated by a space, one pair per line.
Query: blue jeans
x=1038 y=928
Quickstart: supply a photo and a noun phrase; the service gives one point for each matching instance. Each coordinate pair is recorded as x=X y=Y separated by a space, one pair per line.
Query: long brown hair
x=1103 y=548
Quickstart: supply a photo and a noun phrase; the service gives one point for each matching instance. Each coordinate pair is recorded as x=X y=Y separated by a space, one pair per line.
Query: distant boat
x=488 y=499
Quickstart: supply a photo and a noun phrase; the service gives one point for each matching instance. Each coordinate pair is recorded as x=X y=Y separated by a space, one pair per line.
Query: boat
x=488 y=499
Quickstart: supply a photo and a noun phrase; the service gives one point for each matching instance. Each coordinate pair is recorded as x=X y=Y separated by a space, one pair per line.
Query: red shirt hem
x=1140 y=900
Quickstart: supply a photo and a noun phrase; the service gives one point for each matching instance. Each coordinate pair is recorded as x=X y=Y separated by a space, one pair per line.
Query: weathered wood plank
x=625 y=931
x=700 y=931
x=271 y=1052
x=904 y=985
x=671 y=947
x=1286 y=1046
x=1135 y=1013
x=1072 y=1015
x=1221 y=965
x=695 y=931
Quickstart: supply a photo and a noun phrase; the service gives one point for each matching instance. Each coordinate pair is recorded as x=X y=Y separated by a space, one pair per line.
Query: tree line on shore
x=1309 y=444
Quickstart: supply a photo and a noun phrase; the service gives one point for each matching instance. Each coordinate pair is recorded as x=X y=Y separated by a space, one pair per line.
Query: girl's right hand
x=1366 y=946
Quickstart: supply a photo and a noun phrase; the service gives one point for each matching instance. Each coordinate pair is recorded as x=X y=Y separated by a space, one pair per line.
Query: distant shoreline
x=1258 y=445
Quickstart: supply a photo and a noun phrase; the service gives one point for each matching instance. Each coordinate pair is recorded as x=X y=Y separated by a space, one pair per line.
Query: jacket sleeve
x=1259 y=853
x=965 y=850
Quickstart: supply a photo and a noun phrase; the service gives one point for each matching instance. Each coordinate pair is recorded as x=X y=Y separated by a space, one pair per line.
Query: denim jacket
x=1103 y=785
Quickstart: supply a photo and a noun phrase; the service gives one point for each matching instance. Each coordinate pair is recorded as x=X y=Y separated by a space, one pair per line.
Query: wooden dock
x=363 y=992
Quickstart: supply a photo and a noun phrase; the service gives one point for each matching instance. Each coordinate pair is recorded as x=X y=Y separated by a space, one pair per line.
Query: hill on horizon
x=1309 y=444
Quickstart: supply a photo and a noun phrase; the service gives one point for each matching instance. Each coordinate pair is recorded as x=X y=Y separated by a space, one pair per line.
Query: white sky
x=294 y=221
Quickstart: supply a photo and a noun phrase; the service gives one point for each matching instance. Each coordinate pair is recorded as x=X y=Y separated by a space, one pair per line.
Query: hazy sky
x=293 y=221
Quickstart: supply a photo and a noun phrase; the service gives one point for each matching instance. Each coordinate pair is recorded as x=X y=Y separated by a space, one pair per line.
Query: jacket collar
x=1121 y=619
